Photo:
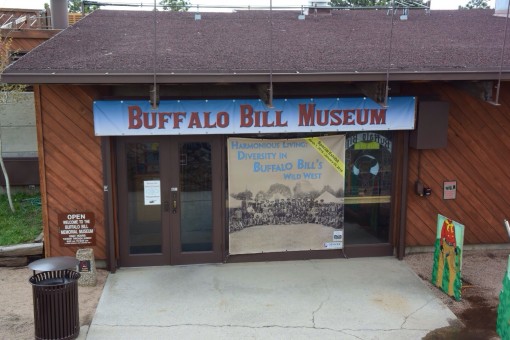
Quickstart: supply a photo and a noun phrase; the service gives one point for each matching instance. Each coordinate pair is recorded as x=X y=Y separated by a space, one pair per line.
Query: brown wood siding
x=26 y=40
x=71 y=154
x=25 y=45
x=477 y=157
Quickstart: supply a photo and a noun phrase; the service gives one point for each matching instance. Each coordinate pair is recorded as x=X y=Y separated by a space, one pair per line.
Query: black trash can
x=56 y=309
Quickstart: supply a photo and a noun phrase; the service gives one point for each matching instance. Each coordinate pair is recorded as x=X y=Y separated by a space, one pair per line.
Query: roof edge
x=261 y=77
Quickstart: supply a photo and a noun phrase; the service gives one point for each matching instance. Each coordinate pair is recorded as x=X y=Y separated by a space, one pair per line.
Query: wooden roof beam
x=483 y=90
x=375 y=90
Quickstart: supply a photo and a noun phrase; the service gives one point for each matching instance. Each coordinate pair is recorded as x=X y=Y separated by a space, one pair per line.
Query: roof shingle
x=347 y=41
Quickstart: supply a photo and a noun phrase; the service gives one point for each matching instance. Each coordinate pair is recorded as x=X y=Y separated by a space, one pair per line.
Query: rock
x=86 y=267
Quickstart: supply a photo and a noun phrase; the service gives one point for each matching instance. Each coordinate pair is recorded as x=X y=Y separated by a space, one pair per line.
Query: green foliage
x=474 y=4
x=457 y=286
x=503 y=319
x=371 y=3
x=8 y=92
x=25 y=224
x=435 y=264
x=175 y=5
x=75 y=7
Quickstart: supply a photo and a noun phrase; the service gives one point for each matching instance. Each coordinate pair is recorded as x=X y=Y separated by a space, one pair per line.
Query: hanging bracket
x=154 y=96
x=265 y=93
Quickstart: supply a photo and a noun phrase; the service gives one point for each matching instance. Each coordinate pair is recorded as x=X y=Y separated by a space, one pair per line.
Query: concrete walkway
x=368 y=298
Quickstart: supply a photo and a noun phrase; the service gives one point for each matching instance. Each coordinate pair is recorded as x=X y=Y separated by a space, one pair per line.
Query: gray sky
x=39 y=4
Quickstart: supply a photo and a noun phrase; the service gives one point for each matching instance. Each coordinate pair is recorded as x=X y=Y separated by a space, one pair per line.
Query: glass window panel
x=368 y=182
x=144 y=208
x=196 y=196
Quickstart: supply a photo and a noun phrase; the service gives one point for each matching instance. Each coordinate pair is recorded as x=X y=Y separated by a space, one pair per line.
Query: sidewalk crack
x=406 y=318
x=326 y=299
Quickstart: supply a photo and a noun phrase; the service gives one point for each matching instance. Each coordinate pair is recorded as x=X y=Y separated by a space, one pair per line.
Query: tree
x=8 y=93
x=175 y=5
x=279 y=188
x=246 y=195
x=261 y=196
x=75 y=7
x=473 y=4
x=370 y=3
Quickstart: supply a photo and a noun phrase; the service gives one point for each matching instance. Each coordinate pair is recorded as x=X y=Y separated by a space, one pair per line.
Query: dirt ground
x=16 y=312
x=482 y=274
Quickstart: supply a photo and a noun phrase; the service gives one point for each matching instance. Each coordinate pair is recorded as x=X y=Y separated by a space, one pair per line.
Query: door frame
x=170 y=233
x=177 y=257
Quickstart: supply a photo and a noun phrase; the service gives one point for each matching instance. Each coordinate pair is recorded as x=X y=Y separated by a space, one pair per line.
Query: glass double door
x=169 y=200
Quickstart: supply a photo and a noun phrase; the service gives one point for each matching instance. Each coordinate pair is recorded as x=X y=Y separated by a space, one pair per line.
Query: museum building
x=171 y=138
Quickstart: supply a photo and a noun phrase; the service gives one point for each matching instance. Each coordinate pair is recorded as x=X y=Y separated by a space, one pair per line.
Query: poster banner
x=447 y=267
x=286 y=194
x=235 y=116
x=503 y=318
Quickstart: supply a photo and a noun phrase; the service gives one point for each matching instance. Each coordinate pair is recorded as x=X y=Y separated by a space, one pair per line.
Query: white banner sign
x=177 y=117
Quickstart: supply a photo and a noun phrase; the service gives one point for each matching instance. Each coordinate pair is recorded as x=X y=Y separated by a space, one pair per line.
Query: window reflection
x=144 y=217
x=368 y=182
x=196 y=196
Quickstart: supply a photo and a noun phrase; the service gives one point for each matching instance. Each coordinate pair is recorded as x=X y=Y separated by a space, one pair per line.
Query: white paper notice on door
x=152 y=192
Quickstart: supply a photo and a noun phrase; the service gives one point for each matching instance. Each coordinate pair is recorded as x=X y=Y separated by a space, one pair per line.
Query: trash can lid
x=54 y=263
